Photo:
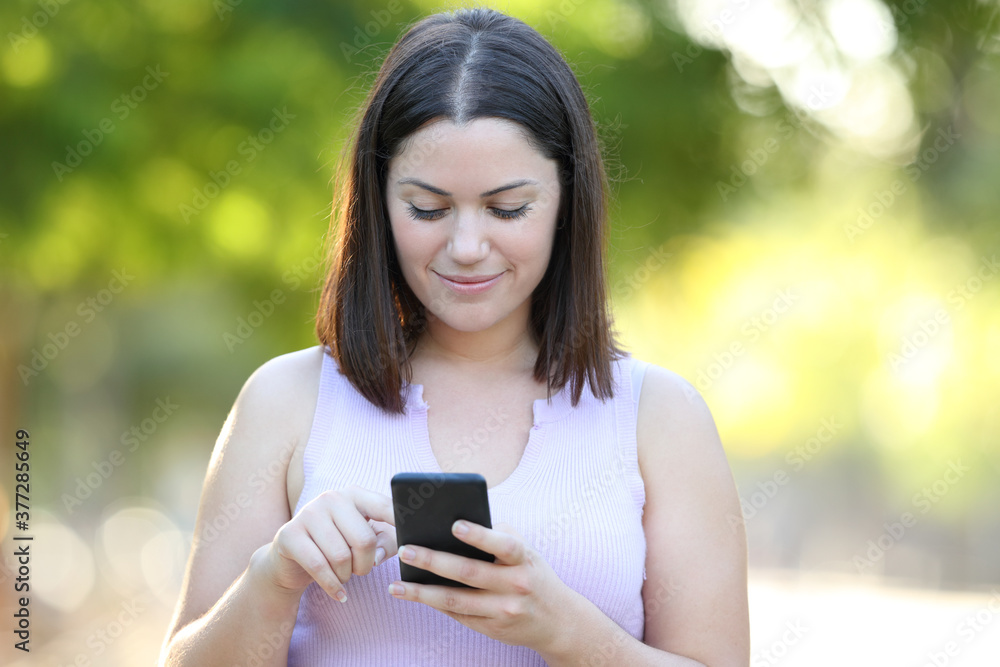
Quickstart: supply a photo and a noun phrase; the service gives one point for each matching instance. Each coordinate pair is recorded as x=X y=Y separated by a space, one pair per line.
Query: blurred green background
x=805 y=226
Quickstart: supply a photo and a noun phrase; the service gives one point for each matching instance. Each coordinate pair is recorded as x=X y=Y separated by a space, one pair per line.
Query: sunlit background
x=805 y=226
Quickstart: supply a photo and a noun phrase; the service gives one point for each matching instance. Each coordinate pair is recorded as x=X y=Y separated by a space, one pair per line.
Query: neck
x=506 y=347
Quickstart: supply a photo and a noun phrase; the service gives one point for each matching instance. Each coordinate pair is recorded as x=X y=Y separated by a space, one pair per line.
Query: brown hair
x=468 y=64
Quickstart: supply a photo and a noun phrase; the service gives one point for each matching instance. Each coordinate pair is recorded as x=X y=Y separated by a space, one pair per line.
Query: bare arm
x=229 y=601
x=250 y=560
x=695 y=593
x=253 y=619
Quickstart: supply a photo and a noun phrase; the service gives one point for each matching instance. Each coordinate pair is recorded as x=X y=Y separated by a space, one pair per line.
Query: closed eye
x=434 y=214
x=512 y=215
x=421 y=214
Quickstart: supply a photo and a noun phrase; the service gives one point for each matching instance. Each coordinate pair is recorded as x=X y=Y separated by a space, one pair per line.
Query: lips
x=469 y=279
x=470 y=284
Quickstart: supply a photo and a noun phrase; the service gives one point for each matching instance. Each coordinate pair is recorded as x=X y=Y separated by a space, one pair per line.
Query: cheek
x=531 y=248
x=414 y=250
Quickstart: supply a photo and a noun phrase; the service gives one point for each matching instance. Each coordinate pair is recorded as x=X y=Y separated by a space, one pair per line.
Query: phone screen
x=426 y=505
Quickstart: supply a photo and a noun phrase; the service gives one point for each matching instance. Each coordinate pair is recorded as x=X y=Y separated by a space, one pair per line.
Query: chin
x=468 y=322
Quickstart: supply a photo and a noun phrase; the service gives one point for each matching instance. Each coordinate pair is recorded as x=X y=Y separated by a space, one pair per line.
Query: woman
x=465 y=328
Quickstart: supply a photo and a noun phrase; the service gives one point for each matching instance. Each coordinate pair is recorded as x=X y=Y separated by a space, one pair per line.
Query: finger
x=449 y=599
x=471 y=571
x=335 y=549
x=385 y=536
x=356 y=531
x=372 y=505
x=298 y=546
x=509 y=529
x=508 y=547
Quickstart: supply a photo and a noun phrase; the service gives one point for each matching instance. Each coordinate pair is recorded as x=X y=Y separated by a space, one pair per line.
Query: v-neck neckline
x=544 y=412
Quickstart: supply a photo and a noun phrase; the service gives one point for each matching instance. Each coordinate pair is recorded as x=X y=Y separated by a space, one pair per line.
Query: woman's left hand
x=521 y=600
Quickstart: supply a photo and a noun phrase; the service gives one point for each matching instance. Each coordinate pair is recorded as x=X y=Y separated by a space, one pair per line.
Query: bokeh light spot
x=27 y=62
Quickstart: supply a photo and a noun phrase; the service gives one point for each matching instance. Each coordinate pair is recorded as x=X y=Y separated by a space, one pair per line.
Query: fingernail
x=405 y=554
x=460 y=528
x=379 y=555
x=341 y=595
x=395 y=589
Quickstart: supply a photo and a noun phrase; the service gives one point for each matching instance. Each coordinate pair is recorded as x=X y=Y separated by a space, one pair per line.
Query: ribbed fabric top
x=576 y=496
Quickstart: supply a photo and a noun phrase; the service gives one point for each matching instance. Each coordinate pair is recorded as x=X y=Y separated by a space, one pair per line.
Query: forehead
x=483 y=147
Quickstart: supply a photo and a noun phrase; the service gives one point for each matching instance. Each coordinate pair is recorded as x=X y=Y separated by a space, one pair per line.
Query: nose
x=468 y=243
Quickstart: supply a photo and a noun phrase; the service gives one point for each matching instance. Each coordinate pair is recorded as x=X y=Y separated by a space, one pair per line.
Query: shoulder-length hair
x=463 y=65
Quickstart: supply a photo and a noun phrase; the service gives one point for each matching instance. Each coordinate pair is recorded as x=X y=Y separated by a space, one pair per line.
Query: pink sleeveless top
x=576 y=496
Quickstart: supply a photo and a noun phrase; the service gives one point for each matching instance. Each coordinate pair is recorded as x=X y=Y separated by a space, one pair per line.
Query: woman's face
x=473 y=215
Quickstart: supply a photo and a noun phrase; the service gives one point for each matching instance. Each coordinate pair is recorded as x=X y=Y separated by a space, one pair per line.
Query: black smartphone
x=426 y=505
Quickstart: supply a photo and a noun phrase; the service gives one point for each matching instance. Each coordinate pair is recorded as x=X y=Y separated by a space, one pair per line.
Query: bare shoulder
x=695 y=593
x=674 y=421
x=273 y=418
x=286 y=380
x=243 y=500
x=273 y=412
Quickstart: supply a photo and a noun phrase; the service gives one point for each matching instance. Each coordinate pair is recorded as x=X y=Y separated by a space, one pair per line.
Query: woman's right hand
x=335 y=535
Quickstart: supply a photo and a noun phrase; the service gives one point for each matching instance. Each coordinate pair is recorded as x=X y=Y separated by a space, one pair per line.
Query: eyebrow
x=439 y=191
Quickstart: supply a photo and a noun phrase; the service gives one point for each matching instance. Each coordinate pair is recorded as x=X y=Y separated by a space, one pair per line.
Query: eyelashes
x=503 y=214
